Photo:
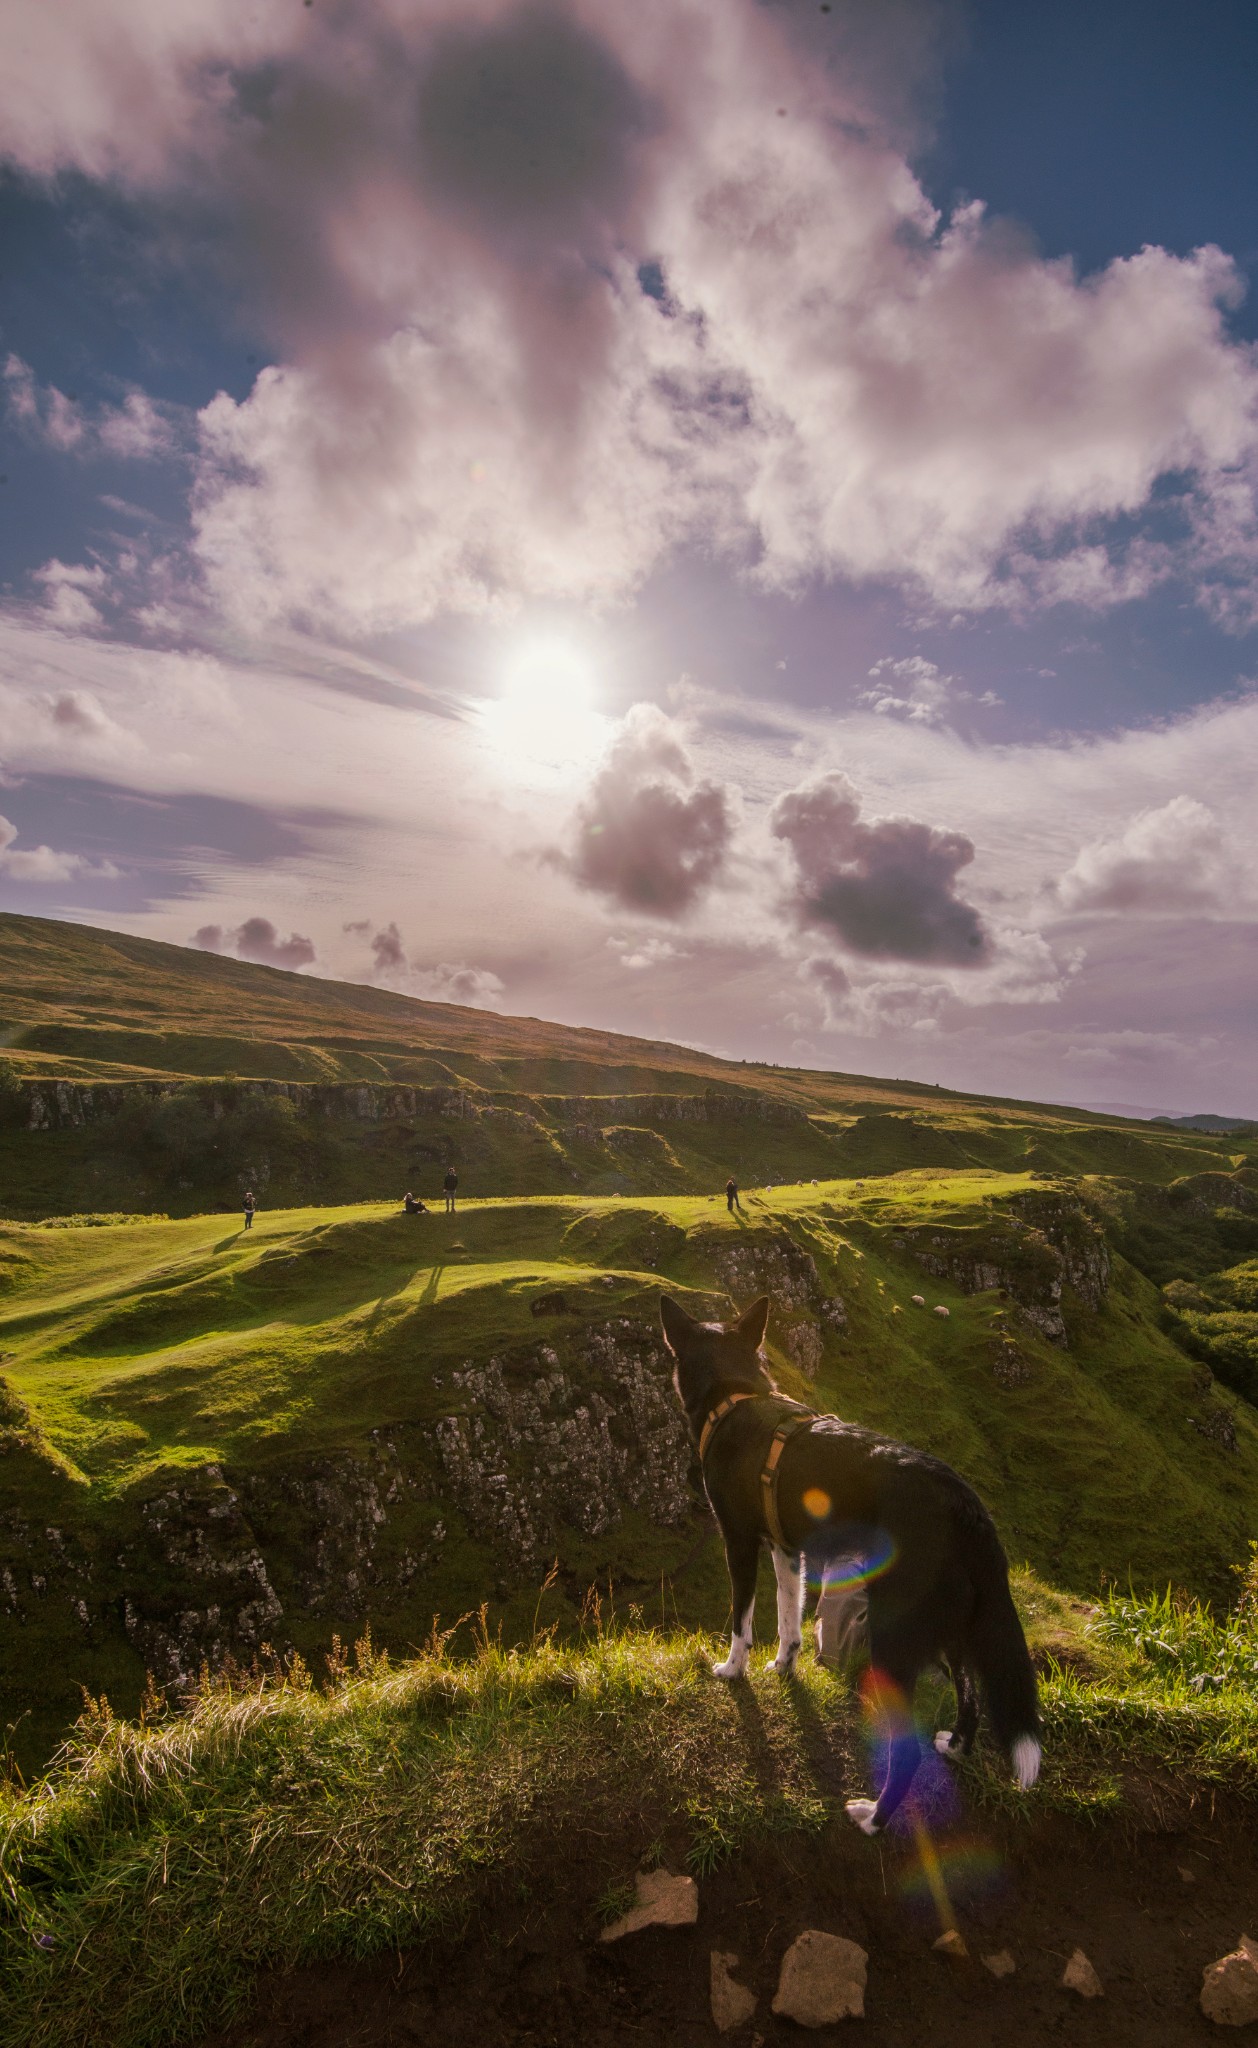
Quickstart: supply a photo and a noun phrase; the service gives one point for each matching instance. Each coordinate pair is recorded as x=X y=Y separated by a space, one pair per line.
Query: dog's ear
x=676 y=1323
x=753 y=1322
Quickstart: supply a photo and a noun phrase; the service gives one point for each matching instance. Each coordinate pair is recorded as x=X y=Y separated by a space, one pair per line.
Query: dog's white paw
x=731 y=1668
x=785 y=1666
x=943 y=1741
x=862 y=1811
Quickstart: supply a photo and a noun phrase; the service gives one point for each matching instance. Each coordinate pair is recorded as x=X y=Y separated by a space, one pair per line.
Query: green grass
x=139 y=1355
x=161 y=1865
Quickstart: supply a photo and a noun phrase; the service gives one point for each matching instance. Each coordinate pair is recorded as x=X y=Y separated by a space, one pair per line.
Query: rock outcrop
x=605 y=1439
x=1034 y=1248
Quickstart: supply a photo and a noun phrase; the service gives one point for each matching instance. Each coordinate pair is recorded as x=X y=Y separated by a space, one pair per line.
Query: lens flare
x=946 y=1866
x=872 y=1551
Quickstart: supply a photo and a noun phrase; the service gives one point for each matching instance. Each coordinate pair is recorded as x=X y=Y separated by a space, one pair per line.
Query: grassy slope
x=80 y=1004
x=144 y=1885
x=148 y=1350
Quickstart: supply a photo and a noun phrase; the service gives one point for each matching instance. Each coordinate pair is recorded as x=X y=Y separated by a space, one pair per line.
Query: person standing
x=451 y=1186
x=731 y=1196
x=250 y=1204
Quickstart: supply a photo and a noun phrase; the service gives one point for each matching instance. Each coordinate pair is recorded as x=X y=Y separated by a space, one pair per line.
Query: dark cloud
x=256 y=939
x=387 y=951
x=886 y=889
x=647 y=835
x=528 y=123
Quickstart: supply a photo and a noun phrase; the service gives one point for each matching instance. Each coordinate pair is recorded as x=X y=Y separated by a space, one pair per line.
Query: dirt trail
x=533 y=1972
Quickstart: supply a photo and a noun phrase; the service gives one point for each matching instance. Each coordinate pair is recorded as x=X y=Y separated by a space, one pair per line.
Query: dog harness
x=769 y=1470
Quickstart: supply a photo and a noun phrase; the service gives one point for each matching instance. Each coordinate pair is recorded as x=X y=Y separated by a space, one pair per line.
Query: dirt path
x=535 y=1973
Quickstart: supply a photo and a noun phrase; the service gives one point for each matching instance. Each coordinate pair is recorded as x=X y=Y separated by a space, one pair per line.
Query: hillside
x=138 y=1076
x=233 y=1454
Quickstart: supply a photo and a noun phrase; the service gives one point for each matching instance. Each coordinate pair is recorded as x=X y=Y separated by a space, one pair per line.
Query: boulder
x=662 y=1900
x=822 y=1980
x=1229 y=1988
x=732 y=2004
x=1080 y=1976
x=1001 y=1964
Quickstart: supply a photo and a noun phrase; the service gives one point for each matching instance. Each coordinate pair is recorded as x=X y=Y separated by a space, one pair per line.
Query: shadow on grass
x=828 y=1754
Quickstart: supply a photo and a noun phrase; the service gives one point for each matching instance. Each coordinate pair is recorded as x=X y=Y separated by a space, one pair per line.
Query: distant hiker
x=451 y=1186
x=731 y=1196
x=250 y=1204
x=413 y=1206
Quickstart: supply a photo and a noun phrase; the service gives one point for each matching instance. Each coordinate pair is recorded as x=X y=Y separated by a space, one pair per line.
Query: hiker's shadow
x=760 y=1751
x=828 y=1754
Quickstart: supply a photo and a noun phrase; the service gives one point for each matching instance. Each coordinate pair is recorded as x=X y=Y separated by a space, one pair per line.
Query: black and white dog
x=819 y=1491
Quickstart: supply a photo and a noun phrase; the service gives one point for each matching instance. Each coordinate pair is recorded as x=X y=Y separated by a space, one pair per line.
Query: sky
x=734 y=525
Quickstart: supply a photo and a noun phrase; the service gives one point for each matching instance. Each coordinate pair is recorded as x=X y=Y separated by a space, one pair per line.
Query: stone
x=1080 y=1976
x=732 y=2004
x=662 y=1901
x=1001 y=1964
x=951 y=1943
x=822 y=1980
x=1229 y=1988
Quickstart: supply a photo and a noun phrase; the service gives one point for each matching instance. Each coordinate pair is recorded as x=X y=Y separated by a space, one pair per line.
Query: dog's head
x=715 y=1355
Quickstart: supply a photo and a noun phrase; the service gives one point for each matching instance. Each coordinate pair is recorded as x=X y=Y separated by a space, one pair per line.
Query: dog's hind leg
x=790 y=1578
x=742 y=1561
x=959 y=1739
x=889 y=1690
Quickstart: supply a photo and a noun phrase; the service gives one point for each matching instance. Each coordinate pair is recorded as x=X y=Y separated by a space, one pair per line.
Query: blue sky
x=841 y=650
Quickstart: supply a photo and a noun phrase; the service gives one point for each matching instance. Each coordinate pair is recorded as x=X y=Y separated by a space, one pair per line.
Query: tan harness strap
x=719 y=1414
x=769 y=1474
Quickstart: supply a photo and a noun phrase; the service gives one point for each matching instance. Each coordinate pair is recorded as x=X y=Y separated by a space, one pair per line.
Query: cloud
x=553 y=292
x=885 y=889
x=257 y=940
x=43 y=864
x=647 y=836
x=138 y=430
x=913 y=688
x=386 y=949
x=455 y=982
x=1166 y=862
x=66 y=601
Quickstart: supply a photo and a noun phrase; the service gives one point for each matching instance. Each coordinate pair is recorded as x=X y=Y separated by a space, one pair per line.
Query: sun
x=545 y=712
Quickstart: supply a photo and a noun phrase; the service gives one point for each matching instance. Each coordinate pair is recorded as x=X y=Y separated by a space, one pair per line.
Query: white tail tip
x=1026 y=1761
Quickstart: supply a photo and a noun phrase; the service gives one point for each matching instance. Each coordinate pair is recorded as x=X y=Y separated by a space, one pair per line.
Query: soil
x=1151 y=1901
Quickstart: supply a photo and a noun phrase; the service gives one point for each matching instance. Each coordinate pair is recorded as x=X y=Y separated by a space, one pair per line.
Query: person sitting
x=413 y=1206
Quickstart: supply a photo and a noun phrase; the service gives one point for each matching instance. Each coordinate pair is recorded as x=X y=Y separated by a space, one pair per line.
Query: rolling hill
x=216 y=1441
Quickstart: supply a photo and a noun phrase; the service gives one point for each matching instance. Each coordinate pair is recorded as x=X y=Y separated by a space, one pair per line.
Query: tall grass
x=1185 y=1642
x=163 y=1863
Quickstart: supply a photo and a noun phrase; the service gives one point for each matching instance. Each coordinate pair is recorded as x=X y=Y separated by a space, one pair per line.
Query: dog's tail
x=999 y=1653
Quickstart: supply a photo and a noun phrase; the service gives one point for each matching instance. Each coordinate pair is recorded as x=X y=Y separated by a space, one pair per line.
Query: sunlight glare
x=544 y=713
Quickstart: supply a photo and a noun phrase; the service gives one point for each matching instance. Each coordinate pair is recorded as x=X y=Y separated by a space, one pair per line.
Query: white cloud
x=913 y=688
x=137 y=430
x=473 y=398
x=66 y=585
x=43 y=864
x=1164 y=863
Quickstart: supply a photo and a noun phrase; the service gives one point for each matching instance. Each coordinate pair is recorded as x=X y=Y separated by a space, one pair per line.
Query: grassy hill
x=232 y=1454
x=138 y=1076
